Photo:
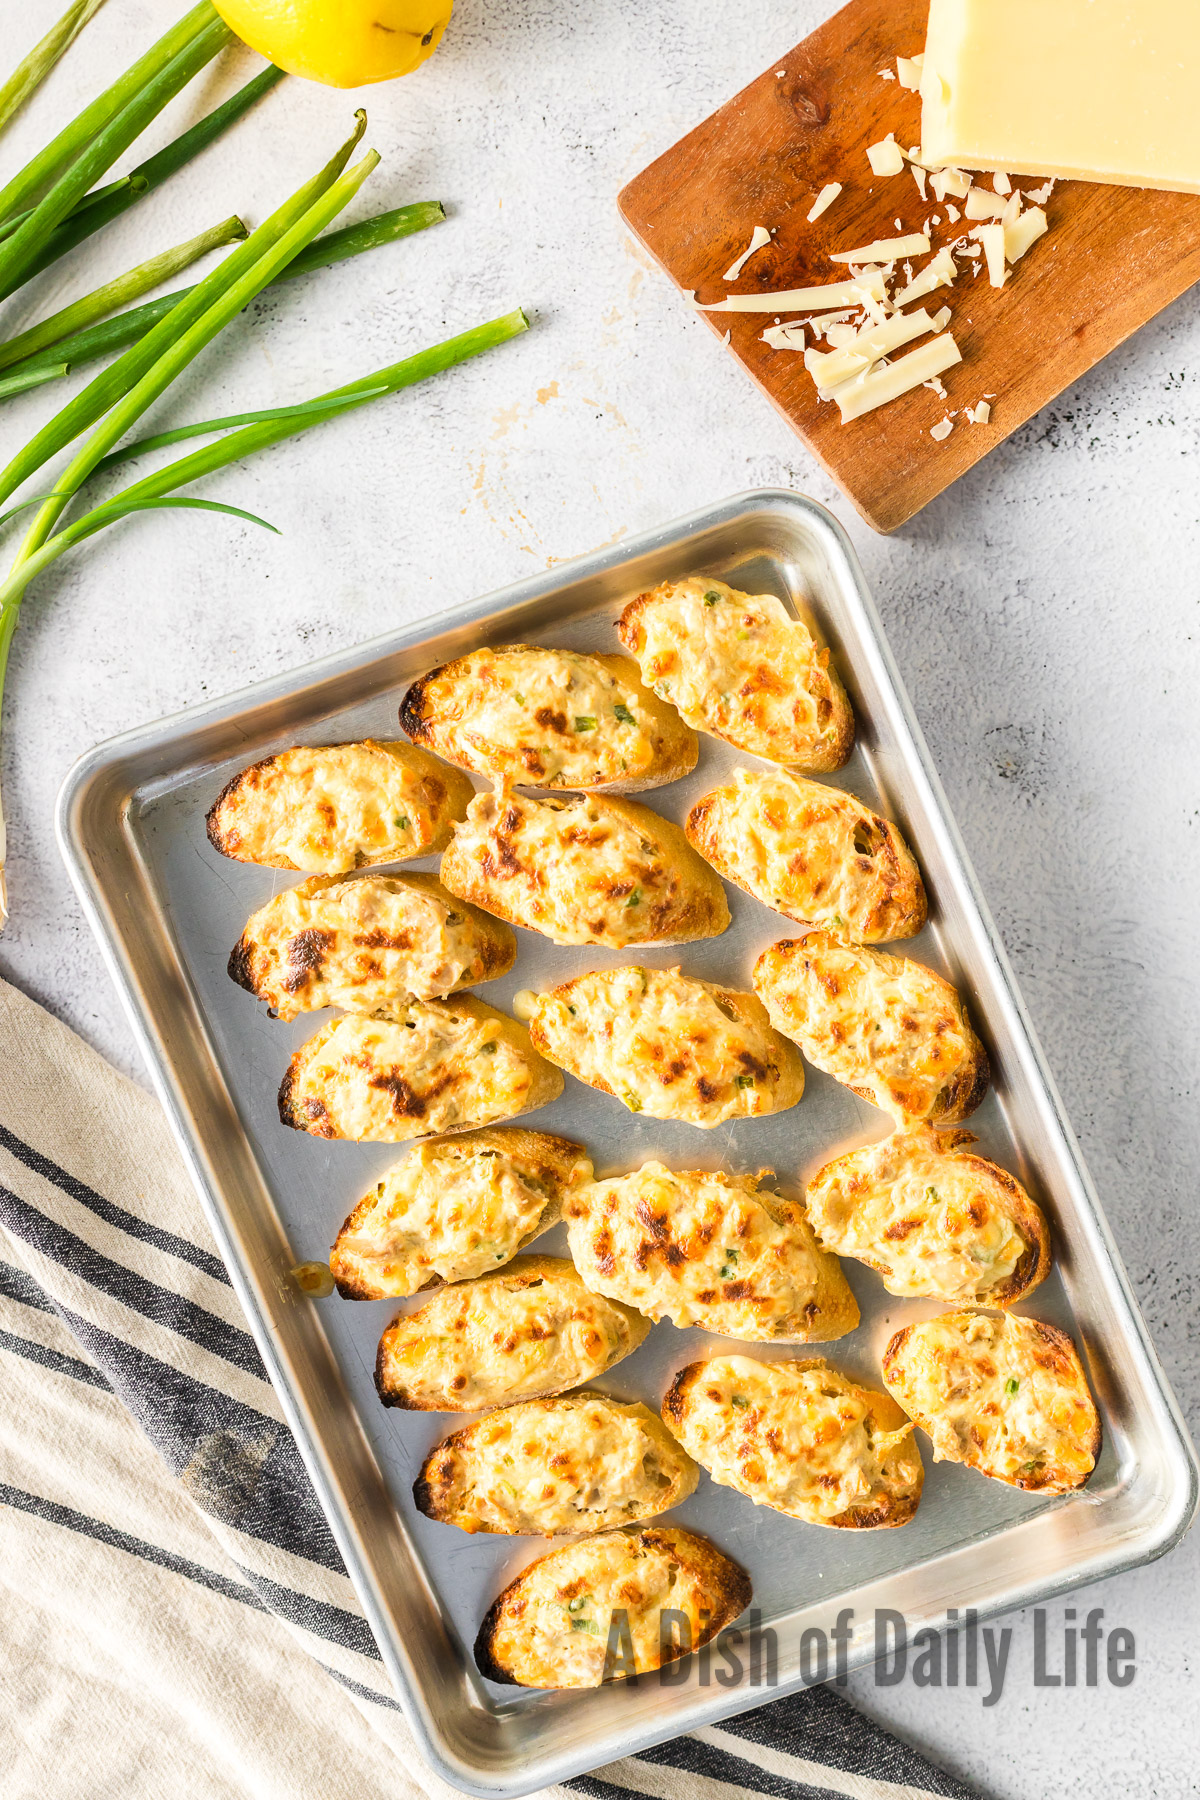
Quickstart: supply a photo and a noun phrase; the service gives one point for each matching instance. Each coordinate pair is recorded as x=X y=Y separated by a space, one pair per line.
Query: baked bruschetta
x=593 y=1611
x=592 y=869
x=566 y=1467
x=530 y=1330
x=329 y=808
x=888 y=1028
x=1004 y=1394
x=453 y=1208
x=364 y=942
x=799 y=1437
x=700 y=1247
x=934 y=1221
x=666 y=1045
x=549 y=718
x=417 y=1070
x=742 y=668
x=815 y=854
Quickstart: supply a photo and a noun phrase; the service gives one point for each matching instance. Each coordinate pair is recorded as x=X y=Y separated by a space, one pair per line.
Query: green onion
x=1011 y=1385
x=30 y=73
x=334 y=246
x=635 y=899
x=36 y=176
x=206 y=427
x=19 y=252
x=584 y=722
x=623 y=713
x=739 y=1401
x=30 y=378
x=92 y=199
x=114 y=293
x=711 y=598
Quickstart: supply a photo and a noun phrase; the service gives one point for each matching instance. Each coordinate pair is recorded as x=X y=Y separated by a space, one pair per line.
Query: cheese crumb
x=885 y=157
x=824 y=200
x=980 y=413
x=886 y=75
x=1039 y=196
x=908 y=71
x=942 y=318
x=952 y=213
x=1001 y=183
x=935 y=387
x=918 y=175
x=941 y=431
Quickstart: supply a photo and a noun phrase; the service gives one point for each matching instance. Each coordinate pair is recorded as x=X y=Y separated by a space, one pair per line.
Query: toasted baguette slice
x=813 y=853
x=420 y=1069
x=666 y=1045
x=330 y=808
x=530 y=1330
x=1004 y=1394
x=549 y=718
x=799 y=1437
x=364 y=942
x=454 y=1208
x=552 y=1626
x=742 y=668
x=589 y=870
x=556 y=1468
x=890 y=1029
x=934 y=1221
x=702 y=1248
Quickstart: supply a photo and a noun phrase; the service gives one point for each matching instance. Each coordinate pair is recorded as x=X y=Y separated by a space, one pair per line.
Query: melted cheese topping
x=555 y=1467
x=526 y=1331
x=455 y=1209
x=365 y=943
x=703 y=1248
x=798 y=1437
x=741 y=667
x=814 y=853
x=590 y=870
x=435 y=1065
x=547 y=718
x=932 y=1222
x=551 y=1627
x=889 y=1028
x=668 y=1046
x=338 y=807
x=1003 y=1394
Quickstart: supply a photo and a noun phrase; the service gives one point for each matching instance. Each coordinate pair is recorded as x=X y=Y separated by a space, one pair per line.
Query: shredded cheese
x=884 y=249
x=1025 y=232
x=908 y=71
x=885 y=157
x=918 y=175
x=950 y=181
x=824 y=200
x=759 y=238
x=786 y=337
x=863 y=393
x=941 y=271
x=1001 y=183
x=982 y=205
x=992 y=239
x=866 y=347
x=810 y=299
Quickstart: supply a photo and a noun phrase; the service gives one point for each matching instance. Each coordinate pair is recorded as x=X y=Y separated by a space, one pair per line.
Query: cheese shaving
x=952 y=213
x=886 y=75
x=941 y=319
x=935 y=387
x=950 y=181
x=786 y=337
x=885 y=157
x=866 y=347
x=1025 y=232
x=942 y=430
x=884 y=249
x=941 y=271
x=759 y=238
x=809 y=299
x=992 y=239
x=824 y=200
x=918 y=175
x=1039 y=196
x=982 y=205
x=980 y=413
x=908 y=71
x=1001 y=183
x=887 y=382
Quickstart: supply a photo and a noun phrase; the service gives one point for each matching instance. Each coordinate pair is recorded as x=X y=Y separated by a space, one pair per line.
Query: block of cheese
x=1090 y=90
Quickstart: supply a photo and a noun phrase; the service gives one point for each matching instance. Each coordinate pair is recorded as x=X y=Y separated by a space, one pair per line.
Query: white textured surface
x=1044 y=613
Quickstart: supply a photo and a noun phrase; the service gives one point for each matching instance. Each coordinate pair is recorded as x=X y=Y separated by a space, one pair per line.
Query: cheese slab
x=1091 y=90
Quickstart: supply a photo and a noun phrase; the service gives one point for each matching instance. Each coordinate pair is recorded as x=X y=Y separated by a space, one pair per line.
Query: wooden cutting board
x=1112 y=258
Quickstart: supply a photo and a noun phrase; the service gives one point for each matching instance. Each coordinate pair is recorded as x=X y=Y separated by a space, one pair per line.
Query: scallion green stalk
x=33 y=69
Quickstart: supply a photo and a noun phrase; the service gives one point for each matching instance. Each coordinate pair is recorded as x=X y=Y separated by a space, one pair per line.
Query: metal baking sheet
x=167 y=910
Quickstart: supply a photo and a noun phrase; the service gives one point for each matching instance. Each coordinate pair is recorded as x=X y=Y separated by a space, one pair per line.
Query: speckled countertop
x=1045 y=614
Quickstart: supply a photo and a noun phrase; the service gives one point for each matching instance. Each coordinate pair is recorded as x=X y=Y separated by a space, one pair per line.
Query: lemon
x=344 y=43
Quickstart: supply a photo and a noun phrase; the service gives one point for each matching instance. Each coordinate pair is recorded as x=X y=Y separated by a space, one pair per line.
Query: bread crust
x=704 y=1248
x=453 y=1208
x=890 y=1029
x=415 y=1071
x=591 y=869
x=572 y=1466
x=742 y=668
x=519 y=713
x=815 y=854
x=644 y=1572
x=799 y=1437
x=1004 y=1394
x=526 y=1332
x=332 y=808
x=363 y=942
x=932 y=1219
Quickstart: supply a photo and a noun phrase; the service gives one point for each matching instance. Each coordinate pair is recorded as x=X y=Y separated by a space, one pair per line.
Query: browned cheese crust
x=932 y=1220
x=530 y=1330
x=550 y=1627
x=519 y=713
x=887 y=1027
x=1002 y=1393
x=801 y=1438
x=592 y=869
x=331 y=808
x=814 y=853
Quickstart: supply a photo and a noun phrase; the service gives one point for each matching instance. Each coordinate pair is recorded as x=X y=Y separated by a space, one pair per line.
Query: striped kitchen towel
x=177 y=1616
